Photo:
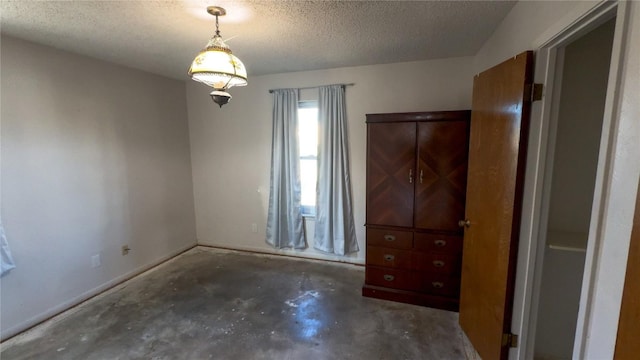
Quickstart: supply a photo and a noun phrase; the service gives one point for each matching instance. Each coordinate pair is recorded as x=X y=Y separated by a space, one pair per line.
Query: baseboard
x=287 y=253
x=55 y=311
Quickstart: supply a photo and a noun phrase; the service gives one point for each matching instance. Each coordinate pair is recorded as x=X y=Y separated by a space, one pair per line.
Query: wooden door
x=628 y=341
x=441 y=175
x=497 y=153
x=390 y=173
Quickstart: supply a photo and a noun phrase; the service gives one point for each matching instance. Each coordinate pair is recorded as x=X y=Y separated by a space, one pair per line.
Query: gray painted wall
x=94 y=156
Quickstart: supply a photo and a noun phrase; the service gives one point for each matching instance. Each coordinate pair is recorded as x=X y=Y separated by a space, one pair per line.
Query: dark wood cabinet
x=416 y=183
x=390 y=173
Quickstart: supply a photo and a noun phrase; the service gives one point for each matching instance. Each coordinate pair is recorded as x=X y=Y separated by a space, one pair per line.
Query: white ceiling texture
x=163 y=37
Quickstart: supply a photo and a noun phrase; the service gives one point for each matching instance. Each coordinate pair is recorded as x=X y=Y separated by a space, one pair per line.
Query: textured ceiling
x=268 y=36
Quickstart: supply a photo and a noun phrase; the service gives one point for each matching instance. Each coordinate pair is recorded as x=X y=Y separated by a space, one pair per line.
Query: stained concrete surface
x=213 y=304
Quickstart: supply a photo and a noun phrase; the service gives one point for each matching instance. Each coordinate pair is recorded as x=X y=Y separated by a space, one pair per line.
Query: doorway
x=575 y=130
x=615 y=184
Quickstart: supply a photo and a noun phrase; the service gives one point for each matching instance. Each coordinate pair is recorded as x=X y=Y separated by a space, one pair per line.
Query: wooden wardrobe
x=416 y=184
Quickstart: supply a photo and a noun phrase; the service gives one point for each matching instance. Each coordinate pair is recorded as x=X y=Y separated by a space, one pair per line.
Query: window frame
x=307 y=211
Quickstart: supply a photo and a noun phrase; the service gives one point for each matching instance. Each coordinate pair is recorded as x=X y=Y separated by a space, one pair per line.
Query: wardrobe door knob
x=464 y=223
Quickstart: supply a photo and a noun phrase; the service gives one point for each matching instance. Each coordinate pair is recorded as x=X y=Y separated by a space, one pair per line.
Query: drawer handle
x=389 y=277
x=390 y=237
x=389 y=257
x=437 y=284
x=440 y=243
x=438 y=263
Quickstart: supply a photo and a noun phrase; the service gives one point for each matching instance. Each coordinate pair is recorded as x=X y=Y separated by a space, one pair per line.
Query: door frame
x=541 y=139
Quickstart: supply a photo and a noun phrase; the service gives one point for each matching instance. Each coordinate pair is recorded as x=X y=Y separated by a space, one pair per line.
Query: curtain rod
x=312 y=87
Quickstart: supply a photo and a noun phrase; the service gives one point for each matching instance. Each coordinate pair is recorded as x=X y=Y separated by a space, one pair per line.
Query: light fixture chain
x=215 y=65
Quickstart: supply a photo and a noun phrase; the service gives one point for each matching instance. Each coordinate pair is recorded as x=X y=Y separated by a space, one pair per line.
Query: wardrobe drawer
x=436 y=263
x=438 y=243
x=439 y=285
x=391 y=278
x=396 y=239
x=387 y=257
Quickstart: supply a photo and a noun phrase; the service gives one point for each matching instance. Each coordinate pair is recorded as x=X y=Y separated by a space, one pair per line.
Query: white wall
x=529 y=25
x=94 y=156
x=230 y=147
x=620 y=187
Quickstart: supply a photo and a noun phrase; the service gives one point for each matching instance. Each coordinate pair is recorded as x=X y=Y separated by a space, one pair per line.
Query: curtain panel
x=6 y=260
x=284 y=220
x=334 y=228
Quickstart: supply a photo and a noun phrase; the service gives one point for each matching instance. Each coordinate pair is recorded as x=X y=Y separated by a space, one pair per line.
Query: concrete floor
x=231 y=305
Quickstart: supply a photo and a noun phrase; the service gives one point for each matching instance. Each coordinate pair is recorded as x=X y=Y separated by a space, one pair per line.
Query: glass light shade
x=217 y=67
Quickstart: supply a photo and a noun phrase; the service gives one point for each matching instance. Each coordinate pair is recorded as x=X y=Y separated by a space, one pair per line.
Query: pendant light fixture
x=216 y=66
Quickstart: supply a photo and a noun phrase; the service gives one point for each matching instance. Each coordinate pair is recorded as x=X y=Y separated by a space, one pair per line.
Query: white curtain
x=334 y=229
x=6 y=260
x=284 y=222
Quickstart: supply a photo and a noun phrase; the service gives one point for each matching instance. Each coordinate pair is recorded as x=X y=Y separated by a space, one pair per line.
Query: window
x=308 y=140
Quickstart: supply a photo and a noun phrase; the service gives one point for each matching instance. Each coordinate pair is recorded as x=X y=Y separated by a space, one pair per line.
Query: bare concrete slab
x=213 y=304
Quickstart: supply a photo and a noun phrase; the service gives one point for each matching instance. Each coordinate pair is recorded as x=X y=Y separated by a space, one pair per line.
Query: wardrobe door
x=391 y=174
x=441 y=175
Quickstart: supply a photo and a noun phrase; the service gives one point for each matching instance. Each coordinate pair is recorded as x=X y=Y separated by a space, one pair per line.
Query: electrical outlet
x=254 y=227
x=95 y=261
x=125 y=250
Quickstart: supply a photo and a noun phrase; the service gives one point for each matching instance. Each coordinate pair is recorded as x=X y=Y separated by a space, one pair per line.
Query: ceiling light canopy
x=216 y=66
